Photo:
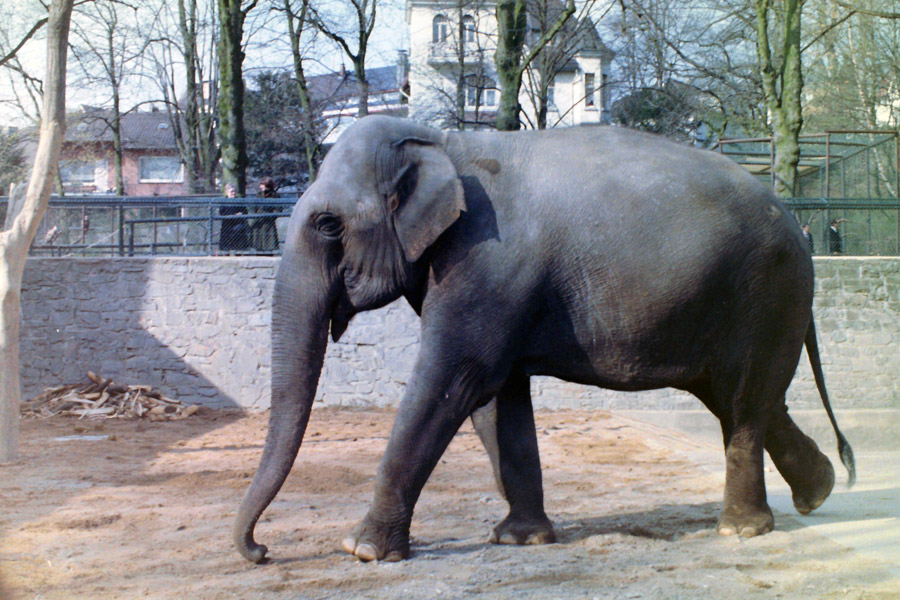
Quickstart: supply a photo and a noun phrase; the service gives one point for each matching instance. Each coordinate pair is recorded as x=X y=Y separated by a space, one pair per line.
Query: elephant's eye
x=329 y=225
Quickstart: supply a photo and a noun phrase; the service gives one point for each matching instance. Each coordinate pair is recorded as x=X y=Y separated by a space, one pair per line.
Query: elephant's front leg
x=439 y=398
x=506 y=428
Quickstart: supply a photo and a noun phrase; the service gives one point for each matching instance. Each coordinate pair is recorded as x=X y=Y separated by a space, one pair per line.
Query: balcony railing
x=447 y=51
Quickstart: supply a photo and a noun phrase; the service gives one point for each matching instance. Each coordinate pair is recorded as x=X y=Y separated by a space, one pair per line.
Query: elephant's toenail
x=349 y=545
x=366 y=552
x=508 y=538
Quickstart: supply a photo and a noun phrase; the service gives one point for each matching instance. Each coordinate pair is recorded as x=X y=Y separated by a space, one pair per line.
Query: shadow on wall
x=196 y=328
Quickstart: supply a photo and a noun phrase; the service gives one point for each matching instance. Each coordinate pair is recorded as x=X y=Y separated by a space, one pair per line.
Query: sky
x=265 y=51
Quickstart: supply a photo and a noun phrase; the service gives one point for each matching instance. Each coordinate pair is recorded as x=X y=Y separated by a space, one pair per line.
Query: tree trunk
x=232 y=139
x=362 y=84
x=512 y=24
x=783 y=86
x=310 y=135
x=14 y=242
x=511 y=27
x=118 y=152
x=187 y=25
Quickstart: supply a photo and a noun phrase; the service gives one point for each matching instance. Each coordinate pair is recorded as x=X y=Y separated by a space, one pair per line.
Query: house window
x=440 y=29
x=159 y=169
x=469 y=29
x=77 y=171
x=477 y=95
x=589 y=90
x=551 y=95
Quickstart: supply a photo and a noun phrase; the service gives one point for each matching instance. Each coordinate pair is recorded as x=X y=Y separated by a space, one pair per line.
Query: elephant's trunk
x=300 y=314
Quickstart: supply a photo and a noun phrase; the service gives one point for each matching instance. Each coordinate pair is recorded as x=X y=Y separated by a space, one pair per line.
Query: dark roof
x=340 y=86
x=140 y=130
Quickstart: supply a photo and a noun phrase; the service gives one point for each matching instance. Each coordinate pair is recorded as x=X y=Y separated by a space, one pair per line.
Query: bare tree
x=510 y=59
x=108 y=47
x=782 y=82
x=232 y=138
x=15 y=241
x=185 y=61
x=362 y=14
x=297 y=16
x=22 y=28
x=577 y=36
x=458 y=80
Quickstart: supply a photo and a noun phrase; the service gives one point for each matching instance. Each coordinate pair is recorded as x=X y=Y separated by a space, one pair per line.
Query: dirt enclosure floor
x=132 y=509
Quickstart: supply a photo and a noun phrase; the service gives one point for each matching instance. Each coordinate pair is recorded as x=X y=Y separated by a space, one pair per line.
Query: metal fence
x=212 y=225
x=869 y=227
x=182 y=225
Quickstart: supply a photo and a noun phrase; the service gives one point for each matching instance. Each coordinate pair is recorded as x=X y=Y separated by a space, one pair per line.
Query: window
x=551 y=95
x=440 y=29
x=589 y=90
x=469 y=29
x=159 y=169
x=477 y=95
x=77 y=171
x=471 y=95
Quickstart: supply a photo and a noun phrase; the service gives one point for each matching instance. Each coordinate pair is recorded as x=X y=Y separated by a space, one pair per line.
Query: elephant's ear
x=427 y=196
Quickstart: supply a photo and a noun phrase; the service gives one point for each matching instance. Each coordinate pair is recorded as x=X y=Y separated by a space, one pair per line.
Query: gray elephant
x=596 y=255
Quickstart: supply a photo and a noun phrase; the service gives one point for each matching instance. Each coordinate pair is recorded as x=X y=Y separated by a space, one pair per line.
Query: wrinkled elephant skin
x=595 y=255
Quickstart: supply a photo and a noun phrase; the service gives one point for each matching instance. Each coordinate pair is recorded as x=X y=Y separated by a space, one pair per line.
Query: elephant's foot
x=800 y=462
x=523 y=531
x=373 y=541
x=811 y=490
x=745 y=522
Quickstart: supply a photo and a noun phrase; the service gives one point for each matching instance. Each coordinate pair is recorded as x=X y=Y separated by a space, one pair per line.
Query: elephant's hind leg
x=743 y=403
x=745 y=511
x=506 y=428
x=799 y=460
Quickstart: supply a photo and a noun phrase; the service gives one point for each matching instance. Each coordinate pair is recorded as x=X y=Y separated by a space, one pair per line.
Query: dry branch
x=100 y=398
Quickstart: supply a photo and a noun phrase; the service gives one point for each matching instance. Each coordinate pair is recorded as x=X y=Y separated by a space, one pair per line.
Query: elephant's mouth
x=341 y=314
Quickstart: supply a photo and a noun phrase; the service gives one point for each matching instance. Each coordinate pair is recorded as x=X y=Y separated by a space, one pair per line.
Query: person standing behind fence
x=835 y=243
x=233 y=233
x=807 y=235
x=263 y=231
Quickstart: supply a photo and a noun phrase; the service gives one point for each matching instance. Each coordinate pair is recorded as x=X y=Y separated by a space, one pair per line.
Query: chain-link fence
x=864 y=226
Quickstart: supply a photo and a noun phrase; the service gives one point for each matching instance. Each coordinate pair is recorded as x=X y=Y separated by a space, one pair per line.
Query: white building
x=452 y=45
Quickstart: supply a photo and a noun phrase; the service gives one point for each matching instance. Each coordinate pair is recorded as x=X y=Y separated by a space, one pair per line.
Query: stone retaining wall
x=199 y=329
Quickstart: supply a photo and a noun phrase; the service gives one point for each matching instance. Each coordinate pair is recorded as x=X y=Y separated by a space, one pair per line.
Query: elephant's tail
x=844 y=449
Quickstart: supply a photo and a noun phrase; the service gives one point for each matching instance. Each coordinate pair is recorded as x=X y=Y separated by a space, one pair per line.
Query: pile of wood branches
x=100 y=398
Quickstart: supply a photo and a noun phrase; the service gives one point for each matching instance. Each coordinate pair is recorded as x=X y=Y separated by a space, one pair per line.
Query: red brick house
x=151 y=164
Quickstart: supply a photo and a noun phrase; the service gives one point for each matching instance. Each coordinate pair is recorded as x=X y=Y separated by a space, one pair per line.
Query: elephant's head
x=385 y=193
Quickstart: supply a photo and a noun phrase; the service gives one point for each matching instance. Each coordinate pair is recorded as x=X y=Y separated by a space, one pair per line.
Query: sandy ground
x=144 y=510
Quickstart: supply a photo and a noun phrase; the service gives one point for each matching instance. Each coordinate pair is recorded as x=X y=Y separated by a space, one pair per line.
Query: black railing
x=184 y=225
x=193 y=225
x=210 y=245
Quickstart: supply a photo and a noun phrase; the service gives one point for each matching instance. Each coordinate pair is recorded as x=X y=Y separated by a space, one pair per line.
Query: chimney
x=402 y=65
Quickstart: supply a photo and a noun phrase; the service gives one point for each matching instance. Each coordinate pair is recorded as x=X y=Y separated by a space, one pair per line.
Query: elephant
x=596 y=255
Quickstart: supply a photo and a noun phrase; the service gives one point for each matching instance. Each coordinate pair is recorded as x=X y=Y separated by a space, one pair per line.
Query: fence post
x=131 y=239
x=209 y=230
x=122 y=230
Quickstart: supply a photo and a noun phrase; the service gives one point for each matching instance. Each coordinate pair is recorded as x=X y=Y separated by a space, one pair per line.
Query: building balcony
x=447 y=52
